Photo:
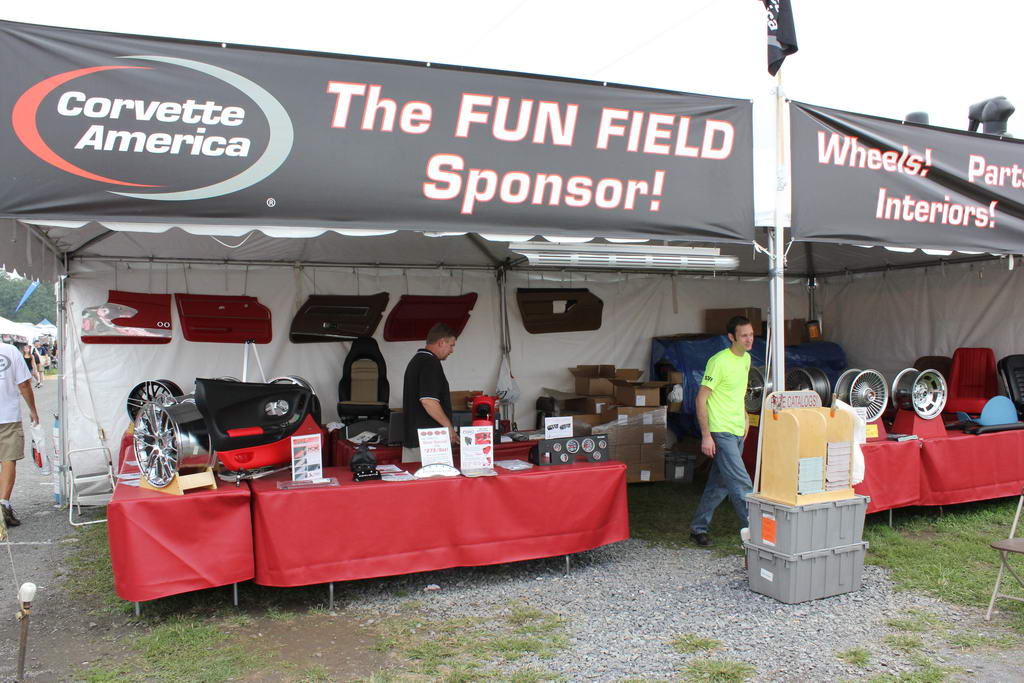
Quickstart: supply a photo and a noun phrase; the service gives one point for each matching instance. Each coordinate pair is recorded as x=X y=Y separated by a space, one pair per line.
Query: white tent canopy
x=19 y=331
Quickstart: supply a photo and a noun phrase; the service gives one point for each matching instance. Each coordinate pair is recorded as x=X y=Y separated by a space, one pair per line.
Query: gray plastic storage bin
x=802 y=528
x=805 y=576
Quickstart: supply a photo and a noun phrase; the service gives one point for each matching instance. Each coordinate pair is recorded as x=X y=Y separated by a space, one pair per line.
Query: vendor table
x=162 y=544
x=378 y=528
x=343 y=450
x=892 y=474
x=960 y=468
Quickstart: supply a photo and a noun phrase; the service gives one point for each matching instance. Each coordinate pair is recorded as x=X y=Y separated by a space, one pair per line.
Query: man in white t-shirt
x=15 y=379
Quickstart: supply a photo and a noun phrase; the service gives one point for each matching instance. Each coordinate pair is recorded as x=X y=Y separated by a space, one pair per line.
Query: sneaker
x=9 y=518
x=700 y=538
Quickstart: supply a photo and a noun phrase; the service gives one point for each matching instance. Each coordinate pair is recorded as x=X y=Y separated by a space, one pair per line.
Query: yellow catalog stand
x=796 y=433
x=806 y=522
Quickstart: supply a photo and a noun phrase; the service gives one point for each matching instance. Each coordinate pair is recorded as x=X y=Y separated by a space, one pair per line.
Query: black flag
x=781 y=33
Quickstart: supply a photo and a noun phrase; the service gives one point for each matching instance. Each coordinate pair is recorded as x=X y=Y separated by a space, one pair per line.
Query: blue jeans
x=728 y=478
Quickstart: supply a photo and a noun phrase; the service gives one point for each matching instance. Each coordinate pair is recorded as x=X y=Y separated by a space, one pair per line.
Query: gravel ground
x=625 y=602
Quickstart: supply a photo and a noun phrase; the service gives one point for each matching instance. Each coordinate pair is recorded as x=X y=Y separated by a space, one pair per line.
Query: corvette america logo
x=212 y=133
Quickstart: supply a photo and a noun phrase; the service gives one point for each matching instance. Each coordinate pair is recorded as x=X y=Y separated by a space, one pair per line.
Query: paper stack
x=837 y=472
x=811 y=475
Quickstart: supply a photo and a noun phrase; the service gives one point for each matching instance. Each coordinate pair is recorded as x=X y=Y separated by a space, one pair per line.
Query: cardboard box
x=590 y=405
x=634 y=434
x=582 y=425
x=461 y=400
x=715 y=319
x=629 y=454
x=638 y=393
x=652 y=458
x=596 y=380
x=643 y=463
x=634 y=415
x=796 y=331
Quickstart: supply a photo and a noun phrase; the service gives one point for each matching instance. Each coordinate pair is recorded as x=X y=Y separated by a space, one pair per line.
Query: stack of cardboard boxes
x=628 y=411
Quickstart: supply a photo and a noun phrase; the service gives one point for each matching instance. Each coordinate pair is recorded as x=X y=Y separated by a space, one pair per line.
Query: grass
x=903 y=642
x=660 y=514
x=688 y=643
x=463 y=649
x=314 y=674
x=915 y=621
x=973 y=641
x=717 y=671
x=855 y=656
x=88 y=575
x=947 y=556
x=179 y=650
x=927 y=671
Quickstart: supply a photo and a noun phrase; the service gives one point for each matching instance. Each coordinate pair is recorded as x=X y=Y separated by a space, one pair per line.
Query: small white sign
x=641 y=400
x=648 y=437
x=862 y=413
x=307 y=458
x=476 y=447
x=435 y=446
x=648 y=418
x=623 y=419
x=557 y=427
x=645 y=475
x=767 y=575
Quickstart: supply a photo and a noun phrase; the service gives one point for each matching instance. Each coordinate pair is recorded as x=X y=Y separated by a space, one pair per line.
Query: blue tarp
x=689 y=356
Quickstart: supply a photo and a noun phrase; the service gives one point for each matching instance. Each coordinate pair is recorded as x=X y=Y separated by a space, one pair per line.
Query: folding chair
x=88 y=479
x=1010 y=545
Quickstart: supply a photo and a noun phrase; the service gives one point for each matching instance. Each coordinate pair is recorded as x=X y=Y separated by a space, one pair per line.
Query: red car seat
x=972 y=380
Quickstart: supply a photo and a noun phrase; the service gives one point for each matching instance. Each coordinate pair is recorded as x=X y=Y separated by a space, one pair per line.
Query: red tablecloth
x=161 y=544
x=376 y=528
x=343 y=450
x=892 y=474
x=963 y=468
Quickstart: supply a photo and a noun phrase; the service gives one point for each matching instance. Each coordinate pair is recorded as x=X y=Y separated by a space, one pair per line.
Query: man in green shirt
x=723 y=426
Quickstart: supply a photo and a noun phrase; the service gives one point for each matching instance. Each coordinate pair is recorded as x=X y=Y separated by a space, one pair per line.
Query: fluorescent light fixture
x=937 y=252
x=902 y=250
x=624 y=256
x=494 y=237
x=560 y=239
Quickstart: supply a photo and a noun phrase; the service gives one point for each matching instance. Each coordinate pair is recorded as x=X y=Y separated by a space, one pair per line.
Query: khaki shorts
x=12 y=442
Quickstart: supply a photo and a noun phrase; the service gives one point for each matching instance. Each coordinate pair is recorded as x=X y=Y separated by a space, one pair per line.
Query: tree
x=42 y=303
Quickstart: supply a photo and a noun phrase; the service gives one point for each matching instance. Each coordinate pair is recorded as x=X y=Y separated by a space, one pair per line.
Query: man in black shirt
x=426 y=401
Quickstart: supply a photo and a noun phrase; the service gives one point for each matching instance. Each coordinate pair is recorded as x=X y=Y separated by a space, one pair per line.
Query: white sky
x=880 y=57
x=883 y=57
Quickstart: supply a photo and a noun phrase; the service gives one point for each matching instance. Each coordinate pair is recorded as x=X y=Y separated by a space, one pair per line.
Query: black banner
x=865 y=180
x=114 y=127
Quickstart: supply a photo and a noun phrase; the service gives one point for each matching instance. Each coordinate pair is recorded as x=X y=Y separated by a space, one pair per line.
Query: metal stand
x=567 y=564
x=330 y=596
x=890 y=518
x=234 y=590
x=250 y=344
x=138 y=608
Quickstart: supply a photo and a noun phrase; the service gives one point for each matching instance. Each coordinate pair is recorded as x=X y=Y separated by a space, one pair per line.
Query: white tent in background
x=23 y=332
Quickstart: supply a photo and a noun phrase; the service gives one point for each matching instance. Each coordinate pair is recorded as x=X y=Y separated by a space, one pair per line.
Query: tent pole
x=778 y=314
x=62 y=369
